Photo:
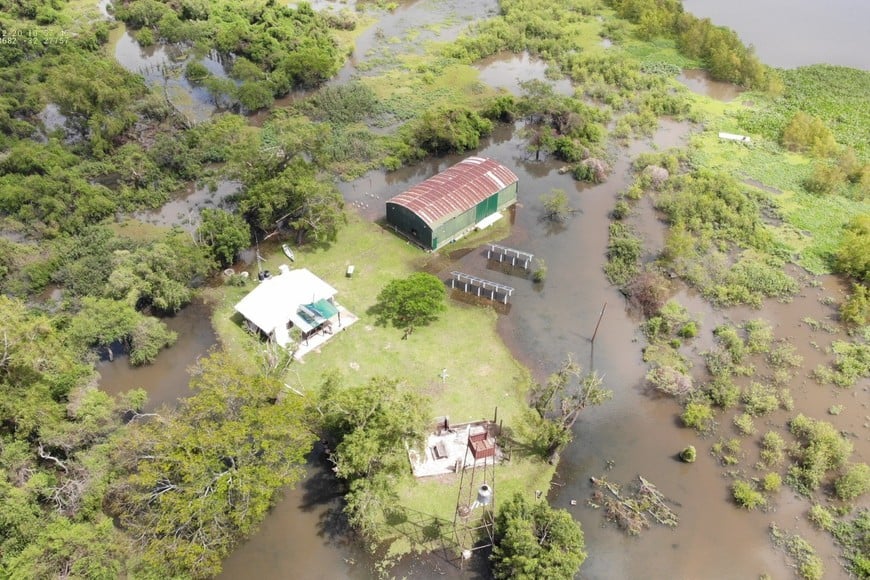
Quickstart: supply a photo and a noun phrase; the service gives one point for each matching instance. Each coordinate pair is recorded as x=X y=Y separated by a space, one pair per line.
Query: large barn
x=448 y=205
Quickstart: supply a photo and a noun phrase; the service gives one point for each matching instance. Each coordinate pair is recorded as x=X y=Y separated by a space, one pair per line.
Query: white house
x=294 y=298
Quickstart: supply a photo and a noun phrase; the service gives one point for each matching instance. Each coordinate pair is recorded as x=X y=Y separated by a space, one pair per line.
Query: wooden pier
x=514 y=255
x=488 y=286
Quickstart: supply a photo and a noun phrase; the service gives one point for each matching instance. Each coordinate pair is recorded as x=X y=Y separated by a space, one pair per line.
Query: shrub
x=670 y=381
x=807 y=133
x=821 y=517
x=688 y=330
x=772 y=447
x=759 y=336
x=853 y=253
x=723 y=392
x=621 y=210
x=854 y=483
x=808 y=564
x=759 y=400
x=744 y=423
x=771 y=482
x=623 y=254
x=699 y=416
x=689 y=454
x=821 y=449
x=855 y=310
x=746 y=496
x=784 y=355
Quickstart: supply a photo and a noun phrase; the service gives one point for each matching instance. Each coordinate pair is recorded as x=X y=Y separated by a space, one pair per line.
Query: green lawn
x=482 y=374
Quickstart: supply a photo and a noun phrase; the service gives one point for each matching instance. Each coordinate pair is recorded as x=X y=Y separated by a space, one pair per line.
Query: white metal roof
x=275 y=300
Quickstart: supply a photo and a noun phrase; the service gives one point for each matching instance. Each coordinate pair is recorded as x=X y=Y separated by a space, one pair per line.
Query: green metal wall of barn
x=413 y=226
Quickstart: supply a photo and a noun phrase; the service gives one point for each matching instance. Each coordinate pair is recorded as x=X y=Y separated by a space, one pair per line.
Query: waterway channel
x=633 y=434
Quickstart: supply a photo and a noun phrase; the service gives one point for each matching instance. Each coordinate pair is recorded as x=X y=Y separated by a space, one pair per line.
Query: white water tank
x=484 y=495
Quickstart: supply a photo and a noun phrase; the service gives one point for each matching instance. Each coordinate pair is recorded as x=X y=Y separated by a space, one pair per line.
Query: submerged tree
x=194 y=483
x=556 y=207
x=558 y=403
x=533 y=540
x=368 y=428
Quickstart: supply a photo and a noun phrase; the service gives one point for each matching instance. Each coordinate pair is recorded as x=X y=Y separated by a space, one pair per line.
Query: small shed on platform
x=450 y=204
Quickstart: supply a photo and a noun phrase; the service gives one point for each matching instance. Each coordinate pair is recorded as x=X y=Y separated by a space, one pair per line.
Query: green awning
x=324 y=308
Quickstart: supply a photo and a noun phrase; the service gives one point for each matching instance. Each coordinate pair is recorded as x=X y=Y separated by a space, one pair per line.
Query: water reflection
x=699 y=81
x=166 y=379
x=507 y=71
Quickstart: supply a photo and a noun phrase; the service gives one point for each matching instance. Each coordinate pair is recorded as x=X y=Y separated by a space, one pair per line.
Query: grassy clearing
x=814 y=223
x=482 y=375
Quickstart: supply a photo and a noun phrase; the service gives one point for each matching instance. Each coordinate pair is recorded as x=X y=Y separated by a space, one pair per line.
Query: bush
x=759 y=400
x=821 y=517
x=853 y=253
x=744 y=423
x=855 y=311
x=807 y=133
x=621 y=210
x=746 y=496
x=759 y=336
x=854 y=483
x=723 y=393
x=699 y=416
x=648 y=292
x=623 y=254
x=771 y=482
x=821 y=449
x=688 y=330
x=670 y=381
x=689 y=454
x=772 y=448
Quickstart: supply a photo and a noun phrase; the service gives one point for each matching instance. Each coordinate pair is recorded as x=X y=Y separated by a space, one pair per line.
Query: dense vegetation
x=534 y=540
x=92 y=486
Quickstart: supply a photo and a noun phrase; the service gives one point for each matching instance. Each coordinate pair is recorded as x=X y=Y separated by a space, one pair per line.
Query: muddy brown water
x=303 y=537
x=797 y=32
x=699 y=81
x=166 y=379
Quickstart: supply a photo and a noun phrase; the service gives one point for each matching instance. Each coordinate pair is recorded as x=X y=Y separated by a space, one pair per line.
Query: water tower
x=474 y=520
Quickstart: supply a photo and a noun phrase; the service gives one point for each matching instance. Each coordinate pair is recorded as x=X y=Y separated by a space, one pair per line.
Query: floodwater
x=166 y=379
x=793 y=33
x=163 y=66
x=303 y=536
x=507 y=71
x=183 y=211
x=699 y=81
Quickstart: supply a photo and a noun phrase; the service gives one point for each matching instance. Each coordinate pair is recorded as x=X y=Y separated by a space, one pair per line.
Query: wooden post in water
x=599 y=323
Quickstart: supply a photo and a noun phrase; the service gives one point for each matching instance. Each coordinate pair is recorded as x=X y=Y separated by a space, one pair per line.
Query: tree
x=413 y=301
x=532 y=540
x=449 y=130
x=807 y=133
x=224 y=233
x=369 y=427
x=853 y=253
x=559 y=402
x=556 y=206
x=191 y=485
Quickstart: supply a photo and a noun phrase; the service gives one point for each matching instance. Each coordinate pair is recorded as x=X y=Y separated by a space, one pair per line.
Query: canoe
x=288 y=252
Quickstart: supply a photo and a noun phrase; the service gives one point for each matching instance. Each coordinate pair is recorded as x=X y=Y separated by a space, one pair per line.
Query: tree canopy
x=413 y=301
x=533 y=540
x=369 y=426
x=193 y=483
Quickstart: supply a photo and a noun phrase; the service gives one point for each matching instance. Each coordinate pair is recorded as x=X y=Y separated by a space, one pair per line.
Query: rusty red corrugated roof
x=456 y=189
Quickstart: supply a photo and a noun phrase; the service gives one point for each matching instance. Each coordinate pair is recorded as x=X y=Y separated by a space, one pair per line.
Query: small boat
x=288 y=251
